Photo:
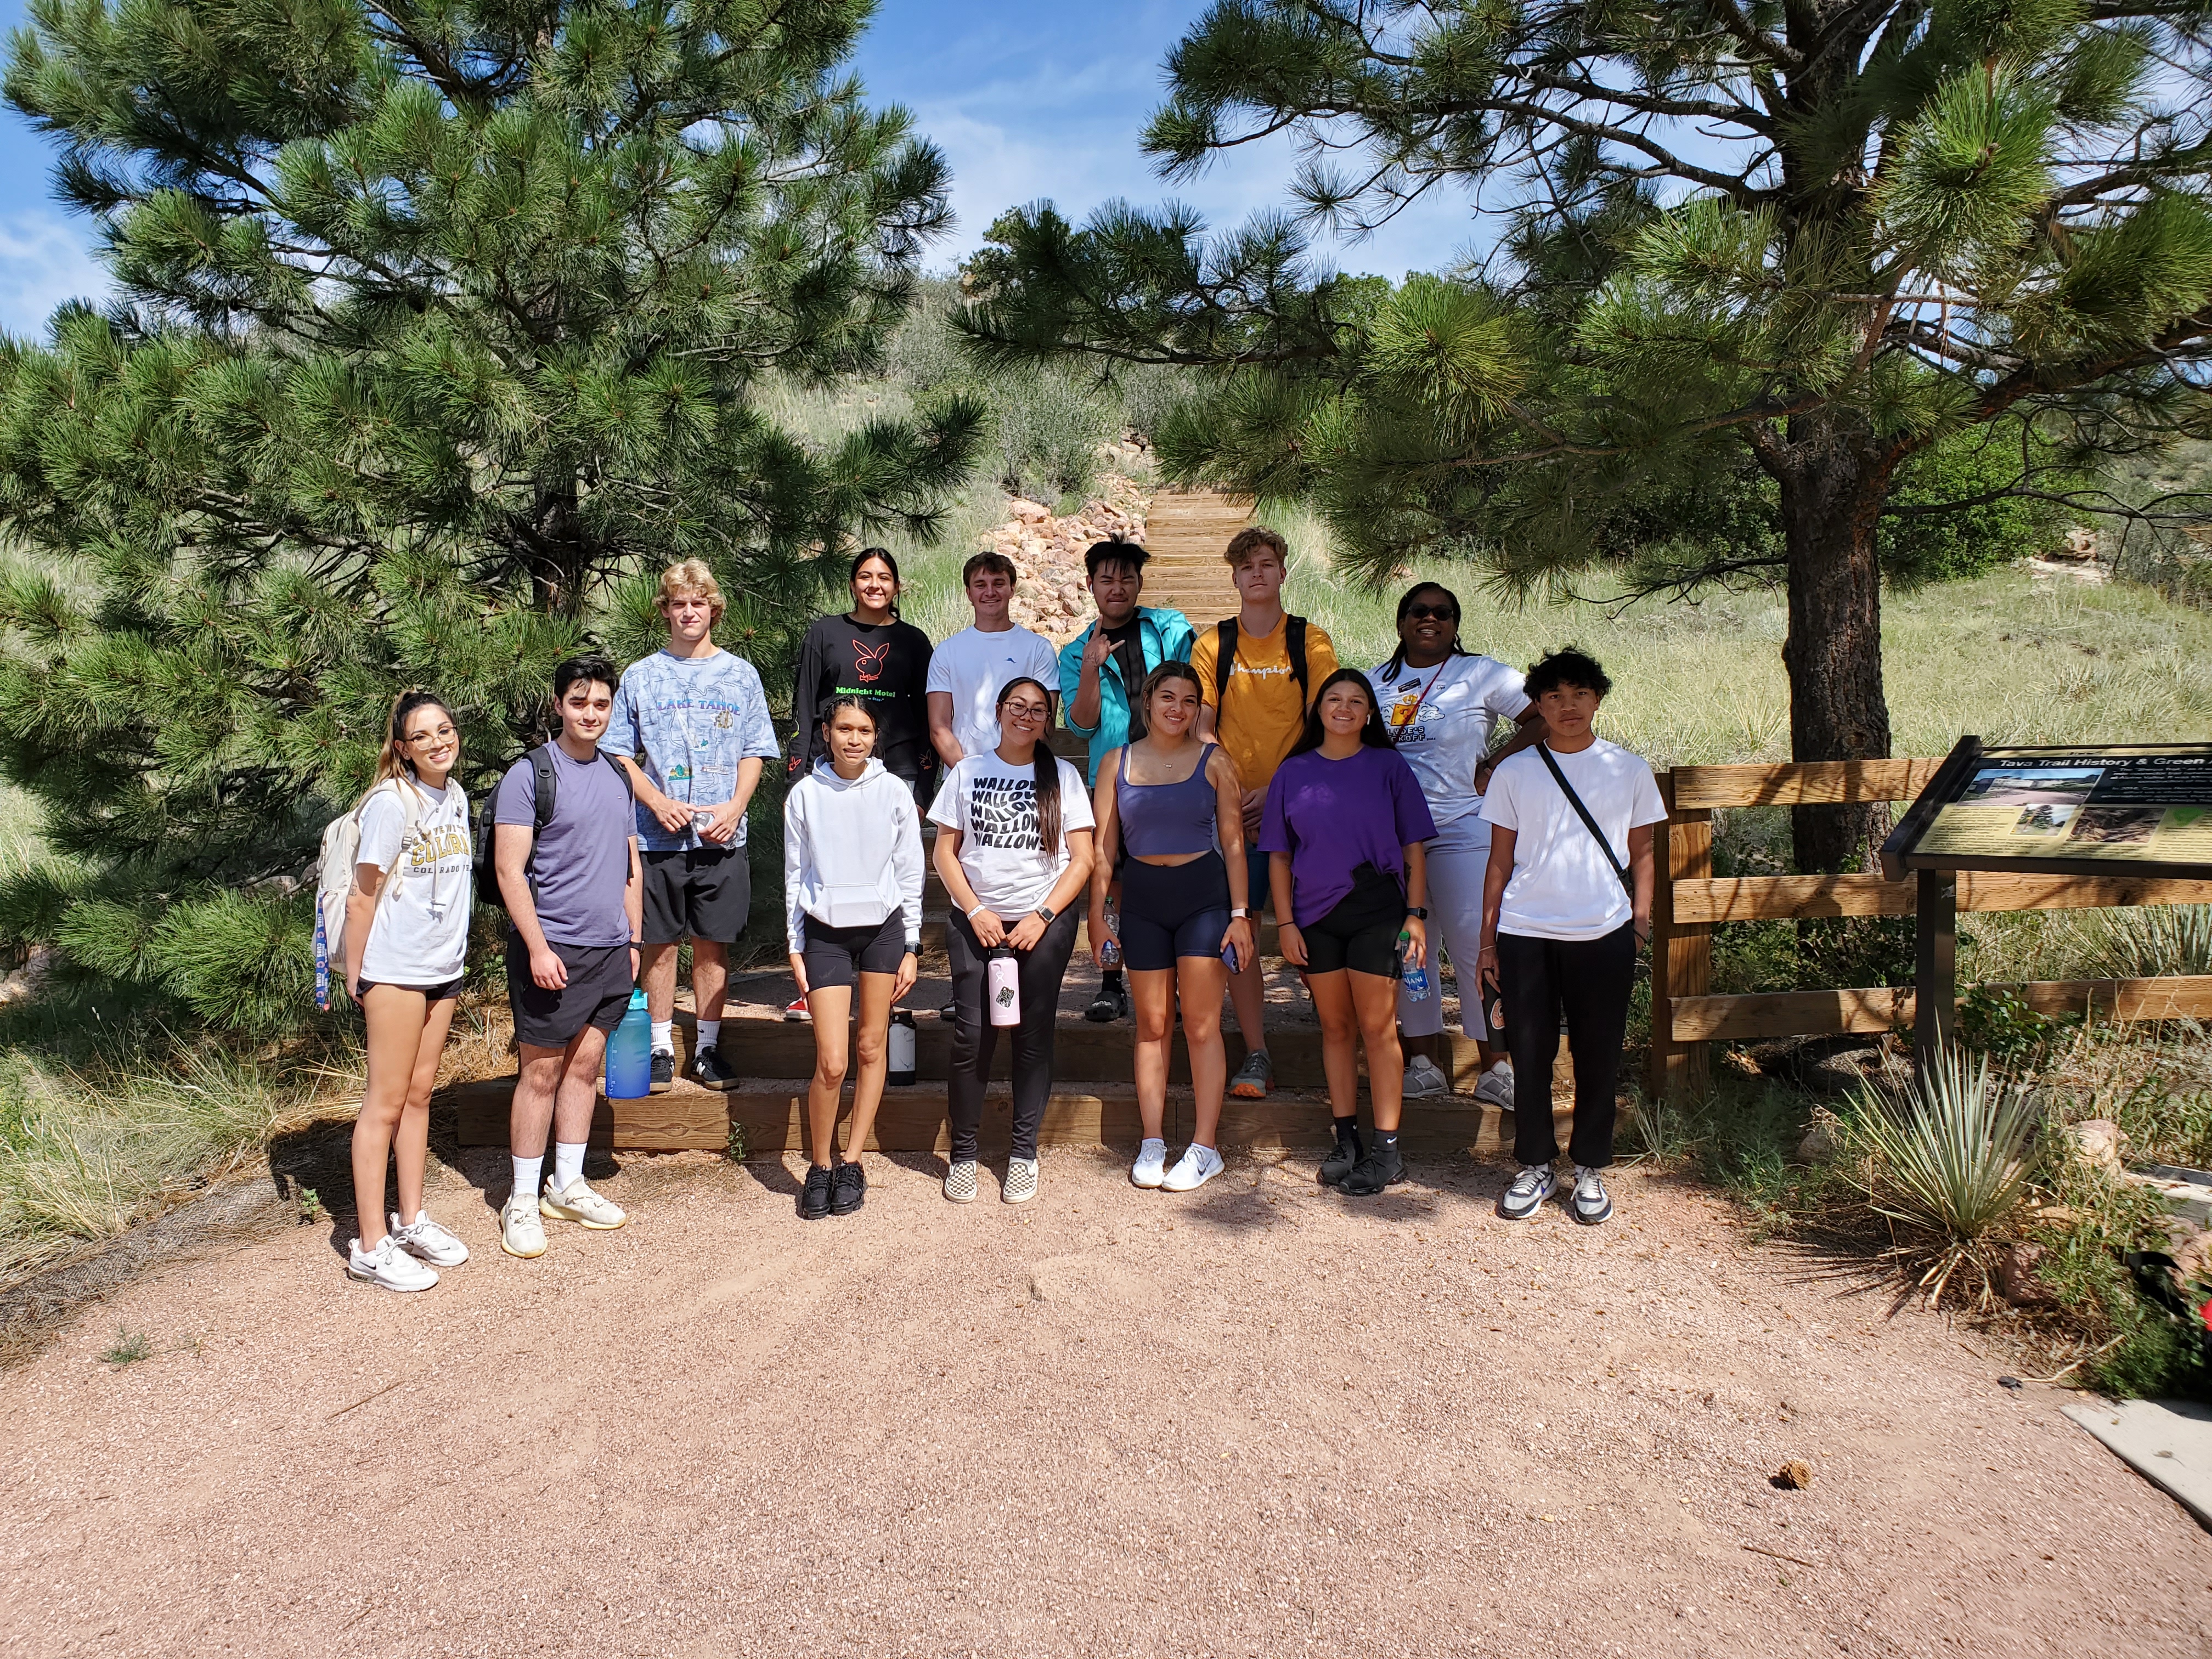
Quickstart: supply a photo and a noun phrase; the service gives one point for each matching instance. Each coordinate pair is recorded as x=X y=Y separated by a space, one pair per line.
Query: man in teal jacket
x=1101 y=669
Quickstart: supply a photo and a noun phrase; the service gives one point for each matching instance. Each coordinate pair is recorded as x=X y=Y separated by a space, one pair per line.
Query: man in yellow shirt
x=1256 y=711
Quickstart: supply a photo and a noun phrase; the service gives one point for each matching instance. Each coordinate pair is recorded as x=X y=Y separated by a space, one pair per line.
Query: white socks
x=710 y=1033
x=528 y=1172
x=568 y=1164
x=664 y=1037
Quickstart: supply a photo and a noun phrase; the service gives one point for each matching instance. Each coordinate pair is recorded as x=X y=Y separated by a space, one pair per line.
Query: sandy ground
x=1258 y=1421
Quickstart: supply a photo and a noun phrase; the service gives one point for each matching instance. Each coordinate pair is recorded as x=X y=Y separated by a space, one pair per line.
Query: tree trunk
x=1834 y=476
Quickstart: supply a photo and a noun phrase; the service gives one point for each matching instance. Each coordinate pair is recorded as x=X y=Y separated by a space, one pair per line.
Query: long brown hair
x=392 y=760
x=1044 y=764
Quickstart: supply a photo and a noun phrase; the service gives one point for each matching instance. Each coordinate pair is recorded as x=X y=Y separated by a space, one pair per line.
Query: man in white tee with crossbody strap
x=1566 y=904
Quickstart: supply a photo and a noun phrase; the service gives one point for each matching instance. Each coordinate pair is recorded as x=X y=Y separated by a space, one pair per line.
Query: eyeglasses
x=1423 y=612
x=1024 y=711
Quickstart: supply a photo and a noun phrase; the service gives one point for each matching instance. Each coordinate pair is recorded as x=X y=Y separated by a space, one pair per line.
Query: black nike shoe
x=663 y=1072
x=848 y=1188
x=1339 y=1163
x=708 y=1071
x=1381 y=1168
x=814 y=1201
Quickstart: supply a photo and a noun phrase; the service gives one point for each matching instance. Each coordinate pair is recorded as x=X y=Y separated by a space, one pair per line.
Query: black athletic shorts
x=452 y=988
x=597 y=993
x=837 y=956
x=1171 y=910
x=703 y=892
x=1361 y=930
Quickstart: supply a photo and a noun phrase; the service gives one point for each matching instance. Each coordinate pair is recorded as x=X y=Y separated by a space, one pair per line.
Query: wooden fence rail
x=1689 y=903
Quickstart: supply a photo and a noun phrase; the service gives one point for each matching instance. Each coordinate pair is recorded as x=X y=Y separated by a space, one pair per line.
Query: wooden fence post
x=1682 y=953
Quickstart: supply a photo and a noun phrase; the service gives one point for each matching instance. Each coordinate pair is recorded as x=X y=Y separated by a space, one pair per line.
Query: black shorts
x=704 y=892
x=837 y=956
x=1173 y=911
x=1361 y=930
x=597 y=993
x=452 y=988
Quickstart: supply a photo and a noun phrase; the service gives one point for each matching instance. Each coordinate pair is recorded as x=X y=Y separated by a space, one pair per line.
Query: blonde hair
x=690 y=580
x=392 y=760
x=1245 y=544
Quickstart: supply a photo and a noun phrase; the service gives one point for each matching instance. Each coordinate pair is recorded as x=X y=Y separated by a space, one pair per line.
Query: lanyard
x=1398 y=727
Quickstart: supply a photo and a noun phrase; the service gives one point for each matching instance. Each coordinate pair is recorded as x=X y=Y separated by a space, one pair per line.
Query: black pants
x=975 y=1039
x=1587 y=981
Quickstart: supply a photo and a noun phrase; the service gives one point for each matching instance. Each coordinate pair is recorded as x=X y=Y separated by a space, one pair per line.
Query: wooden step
x=770 y=1115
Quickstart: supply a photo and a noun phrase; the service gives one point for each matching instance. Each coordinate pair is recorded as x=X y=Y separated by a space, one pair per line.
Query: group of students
x=1377 y=812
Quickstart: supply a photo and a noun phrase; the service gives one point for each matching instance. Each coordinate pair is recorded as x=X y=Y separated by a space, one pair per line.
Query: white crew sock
x=568 y=1164
x=664 y=1037
x=710 y=1034
x=528 y=1172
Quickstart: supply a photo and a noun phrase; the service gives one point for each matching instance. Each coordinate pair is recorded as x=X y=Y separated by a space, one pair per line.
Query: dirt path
x=1262 y=1420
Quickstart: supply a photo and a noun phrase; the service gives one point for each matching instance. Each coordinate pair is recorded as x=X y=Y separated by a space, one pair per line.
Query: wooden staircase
x=1186 y=535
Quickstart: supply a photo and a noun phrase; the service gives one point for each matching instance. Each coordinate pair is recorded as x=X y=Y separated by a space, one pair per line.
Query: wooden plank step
x=1821 y=1014
x=1758 y=898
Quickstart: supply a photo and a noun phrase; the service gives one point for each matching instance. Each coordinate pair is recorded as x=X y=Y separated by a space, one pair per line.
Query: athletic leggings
x=1587 y=981
x=975 y=1039
x=1458 y=858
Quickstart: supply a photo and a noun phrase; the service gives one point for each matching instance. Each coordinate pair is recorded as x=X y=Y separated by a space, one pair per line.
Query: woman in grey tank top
x=1170 y=816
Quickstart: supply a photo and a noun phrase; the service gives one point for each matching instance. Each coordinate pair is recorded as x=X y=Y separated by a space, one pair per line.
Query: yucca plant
x=1946 y=1154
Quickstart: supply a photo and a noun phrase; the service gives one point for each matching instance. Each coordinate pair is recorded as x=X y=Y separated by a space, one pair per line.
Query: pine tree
x=1820 y=239
x=440 y=328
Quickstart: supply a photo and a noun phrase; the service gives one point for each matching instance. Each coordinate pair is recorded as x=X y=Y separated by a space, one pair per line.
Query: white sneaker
x=1194 y=1169
x=578 y=1203
x=1152 y=1165
x=960 y=1182
x=388 y=1267
x=1495 y=1087
x=1528 y=1192
x=1423 y=1078
x=426 y=1238
x=1021 y=1183
x=1592 y=1204
x=520 y=1232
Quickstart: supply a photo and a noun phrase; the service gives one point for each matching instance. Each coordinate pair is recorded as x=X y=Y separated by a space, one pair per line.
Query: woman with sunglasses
x=1343 y=829
x=1013 y=849
x=1443 y=704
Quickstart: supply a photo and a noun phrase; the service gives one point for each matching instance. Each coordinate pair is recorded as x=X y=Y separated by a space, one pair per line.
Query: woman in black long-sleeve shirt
x=869 y=653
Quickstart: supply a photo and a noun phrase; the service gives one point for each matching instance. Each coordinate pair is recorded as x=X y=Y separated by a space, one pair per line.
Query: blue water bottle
x=1411 y=973
x=629 y=1052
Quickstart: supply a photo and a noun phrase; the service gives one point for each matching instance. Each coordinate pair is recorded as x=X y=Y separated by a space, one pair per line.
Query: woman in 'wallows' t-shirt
x=1013 y=849
x=405 y=939
x=1565 y=905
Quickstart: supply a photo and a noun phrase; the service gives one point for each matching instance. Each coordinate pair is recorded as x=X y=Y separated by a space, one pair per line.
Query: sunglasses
x=1423 y=612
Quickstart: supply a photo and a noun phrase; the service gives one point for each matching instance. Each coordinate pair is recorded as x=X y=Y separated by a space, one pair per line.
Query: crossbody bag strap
x=1605 y=847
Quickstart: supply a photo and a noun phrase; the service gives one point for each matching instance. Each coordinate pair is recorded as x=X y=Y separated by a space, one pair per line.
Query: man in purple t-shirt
x=577 y=901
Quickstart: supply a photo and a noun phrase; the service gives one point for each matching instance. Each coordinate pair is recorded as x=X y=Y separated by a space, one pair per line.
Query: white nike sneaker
x=520 y=1232
x=1194 y=1169
x=387 y=1267
x=1425 y=1078
x=577 y=1202
x=1591 y=1204
x=426 y=1238
x=1495 y=1087
x=1152 y=1165
x=1526 y=1195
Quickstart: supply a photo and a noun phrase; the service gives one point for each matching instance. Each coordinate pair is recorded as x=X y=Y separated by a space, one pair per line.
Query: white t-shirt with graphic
x=993 y=806
x=1442 y=717
x=1561 y=886
x=419 y=934
x=972 y=665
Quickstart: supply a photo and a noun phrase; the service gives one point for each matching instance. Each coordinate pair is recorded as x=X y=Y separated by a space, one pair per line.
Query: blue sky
x=1026 y=101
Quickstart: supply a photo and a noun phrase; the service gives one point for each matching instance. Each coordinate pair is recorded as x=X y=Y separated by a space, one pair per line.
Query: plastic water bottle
x=899 y=1044
x=629 y=1052
x=1109 y=953
x=1004 y=988
x=1413 y=976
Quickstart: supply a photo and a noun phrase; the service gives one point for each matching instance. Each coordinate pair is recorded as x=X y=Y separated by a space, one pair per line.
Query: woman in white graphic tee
x=405 y=939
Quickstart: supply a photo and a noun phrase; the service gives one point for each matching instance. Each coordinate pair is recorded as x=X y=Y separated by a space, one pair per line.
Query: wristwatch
x=1044 y=913
x=1419 y=912
x=1238 y=913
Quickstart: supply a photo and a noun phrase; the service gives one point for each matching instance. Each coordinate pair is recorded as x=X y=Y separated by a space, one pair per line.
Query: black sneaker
x=848 y=1188
x=814 y=1201
x=663 y=1072
x=1338 y=1164
x=1112 y=1003
x=1380 y=1168
x=707 y=1070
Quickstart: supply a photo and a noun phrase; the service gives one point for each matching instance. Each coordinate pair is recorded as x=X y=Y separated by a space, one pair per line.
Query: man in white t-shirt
x=966 y=670
x=1566 y=904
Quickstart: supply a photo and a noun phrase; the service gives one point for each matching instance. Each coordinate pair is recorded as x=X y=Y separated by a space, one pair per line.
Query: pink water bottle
x=1003 y=987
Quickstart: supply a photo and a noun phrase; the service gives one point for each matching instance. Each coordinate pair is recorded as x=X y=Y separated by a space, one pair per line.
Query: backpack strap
x=1294 y=637
x=622 y=773
x=1225 y=658
x=1604 y=847
x=547 y=790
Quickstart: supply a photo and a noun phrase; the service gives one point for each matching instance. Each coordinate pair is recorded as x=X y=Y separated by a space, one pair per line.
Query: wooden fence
x=1688 y=902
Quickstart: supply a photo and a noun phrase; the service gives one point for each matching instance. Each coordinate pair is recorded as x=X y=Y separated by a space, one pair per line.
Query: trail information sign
x=2086 y=810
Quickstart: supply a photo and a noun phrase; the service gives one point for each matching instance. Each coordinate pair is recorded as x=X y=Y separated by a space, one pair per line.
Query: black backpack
x=548 y=793
x=1224 y=657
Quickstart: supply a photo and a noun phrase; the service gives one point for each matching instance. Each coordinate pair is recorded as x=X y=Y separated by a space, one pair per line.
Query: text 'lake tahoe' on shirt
x=694 y=719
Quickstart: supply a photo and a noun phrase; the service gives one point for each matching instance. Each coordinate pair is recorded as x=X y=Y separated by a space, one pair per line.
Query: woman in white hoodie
x=851 y=884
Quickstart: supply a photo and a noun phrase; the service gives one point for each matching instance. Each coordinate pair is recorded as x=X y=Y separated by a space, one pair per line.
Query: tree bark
x=1834 y=475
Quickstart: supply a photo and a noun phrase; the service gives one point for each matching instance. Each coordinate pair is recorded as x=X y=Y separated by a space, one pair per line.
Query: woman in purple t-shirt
x=1343 y=829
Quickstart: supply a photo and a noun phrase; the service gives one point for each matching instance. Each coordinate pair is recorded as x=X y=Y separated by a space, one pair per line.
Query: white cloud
x=44 y=260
